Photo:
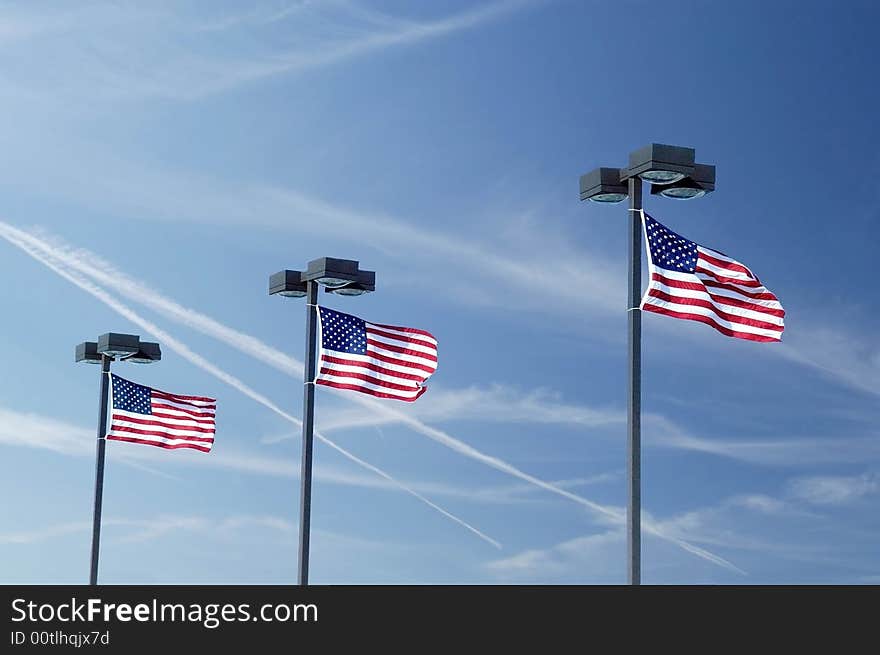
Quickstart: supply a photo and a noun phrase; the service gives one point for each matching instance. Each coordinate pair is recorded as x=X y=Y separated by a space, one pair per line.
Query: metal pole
x=634 y=405
x=305 y=507
x=99 y=466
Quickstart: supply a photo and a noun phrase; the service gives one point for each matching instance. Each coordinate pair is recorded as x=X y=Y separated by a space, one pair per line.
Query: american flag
x=158 y=418
x=696 y=283
x=382 y=360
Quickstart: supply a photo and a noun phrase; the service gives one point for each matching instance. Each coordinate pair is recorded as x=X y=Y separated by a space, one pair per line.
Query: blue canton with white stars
x=343 y=332
x=670 y=250
x=131 y=397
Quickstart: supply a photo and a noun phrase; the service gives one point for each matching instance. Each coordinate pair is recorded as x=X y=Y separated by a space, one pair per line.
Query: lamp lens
x=333 y=281
x=292 y=294
x=683 y=193
x=608 y=197
x=661 y=177
x=349 y=291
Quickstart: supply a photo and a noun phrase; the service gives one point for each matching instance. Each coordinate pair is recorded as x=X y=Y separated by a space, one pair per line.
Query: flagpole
x=99 y=466
x=343 y=276
x=634 y=404
x=673 y=173
x=305 y=507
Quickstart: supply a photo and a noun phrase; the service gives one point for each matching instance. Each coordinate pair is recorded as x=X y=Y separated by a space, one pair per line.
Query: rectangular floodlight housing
x=702 y=178
x=367 y=279
x=660 y=157
x=330 y=267
x=602 y=181
x=365 y=283
x=148 y=353
x=87 y=352
x=704 y=174
x=287 y=283
x=118 y=345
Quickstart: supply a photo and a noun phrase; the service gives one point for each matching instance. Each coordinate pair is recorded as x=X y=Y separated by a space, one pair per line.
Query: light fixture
x=603 y=185
x=114 y=344
x=332 y=282
x=349 y=290
x=660 y=164
x=148 y=353
x=365 y=283
x=696 y=185
x=288 y=284
x=661 y=177
x=340 y=276
x=609 y=197
x=684 y=191
x=331 y=272
x=87 y=353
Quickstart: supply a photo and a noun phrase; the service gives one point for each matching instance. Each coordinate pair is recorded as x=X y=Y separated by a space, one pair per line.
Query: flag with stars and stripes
x=696 y=283
x=387 y=361
x=158 y=418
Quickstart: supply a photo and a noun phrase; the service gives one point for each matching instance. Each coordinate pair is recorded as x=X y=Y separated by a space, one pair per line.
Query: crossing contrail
x=94 y=267
x=187 y=353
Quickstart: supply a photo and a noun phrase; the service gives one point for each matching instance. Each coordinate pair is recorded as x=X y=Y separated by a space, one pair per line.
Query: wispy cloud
x=594 y=557
x=497 y=402
x=747 y=523
x=36 y=431
x=519 y=494
x=44 y=534
x=834 y=490
x=142 y=530
x=771 y=532
x=258 y=15
x=382 y=33
x=722 y=524
x=505 y=404
x=136 y=51
x=839 y=354
x=517 y=264
x=790 y=451
x=150 y=529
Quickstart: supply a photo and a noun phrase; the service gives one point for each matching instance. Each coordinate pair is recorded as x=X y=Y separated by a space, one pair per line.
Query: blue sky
x=161 y=160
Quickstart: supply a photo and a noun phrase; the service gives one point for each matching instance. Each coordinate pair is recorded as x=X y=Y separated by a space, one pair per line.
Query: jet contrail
x=196 y=359
x=104 y=273
x=93 y=266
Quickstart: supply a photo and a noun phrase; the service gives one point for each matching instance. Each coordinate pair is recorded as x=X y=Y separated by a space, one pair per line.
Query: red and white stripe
x=721 y=292
x=176 y=422
x=397 y=363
